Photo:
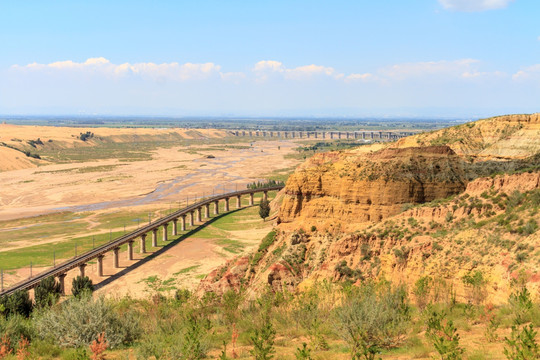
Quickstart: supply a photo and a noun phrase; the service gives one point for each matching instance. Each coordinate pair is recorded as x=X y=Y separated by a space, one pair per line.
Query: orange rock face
x=370 y=187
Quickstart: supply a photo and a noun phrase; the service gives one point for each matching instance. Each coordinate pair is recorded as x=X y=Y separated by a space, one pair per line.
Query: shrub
x=477 y=282
x=369 y=319
x=422 y=289
x=79 y=321
x=17 y=303
x=82 y=285
x=47 y=292
x=15 y=328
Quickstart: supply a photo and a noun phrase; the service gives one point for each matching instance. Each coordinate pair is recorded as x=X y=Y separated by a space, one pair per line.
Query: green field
x=72 y=228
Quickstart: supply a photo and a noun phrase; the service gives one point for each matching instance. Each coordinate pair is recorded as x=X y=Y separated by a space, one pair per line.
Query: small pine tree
x=444 y=337
x=47 y=292
x=263 y=340
x=303 y=353
x=264 y=209
x=82 y=285
x=223 y=355
x=522 y=344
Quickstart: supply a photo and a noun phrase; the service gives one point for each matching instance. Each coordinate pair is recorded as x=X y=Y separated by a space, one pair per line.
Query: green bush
x=18 y=303
x=17 y=326
x=371 y=318
x=78 y=322
x=82 y=285
x=47 y=292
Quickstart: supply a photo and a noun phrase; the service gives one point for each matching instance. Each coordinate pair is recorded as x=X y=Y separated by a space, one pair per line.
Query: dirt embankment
x=15 y=140
x=342 y=215
x=443 y=242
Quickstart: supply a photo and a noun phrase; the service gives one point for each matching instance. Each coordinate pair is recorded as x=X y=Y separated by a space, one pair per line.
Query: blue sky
x=439 y=58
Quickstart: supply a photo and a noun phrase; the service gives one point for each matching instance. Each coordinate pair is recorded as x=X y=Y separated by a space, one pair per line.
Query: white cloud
x=463 y=68
x=359 y=77
x=527 y=73
x=269 y=65
x=434 y=71
x=165 y=71
x=474 y=5
x=263 y=69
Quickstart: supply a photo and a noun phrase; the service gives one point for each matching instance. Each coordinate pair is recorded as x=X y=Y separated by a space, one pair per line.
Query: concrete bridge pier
x=154 y=237
x=81 y=269
x=62 y=282
x=216 y=207
x=207 y=211
x=251 y=199
x=183 y=223
x=130 y=250
x=339 y=134
x=100 y=265
x=199 y=211
x=175 y=227
x=116 y=258
x=331 y=135
x=238 y=202
x=165 y=234
x=191 y=220
x=143 y=244
x=226 y=204
x=286 y=135
x=324 y=135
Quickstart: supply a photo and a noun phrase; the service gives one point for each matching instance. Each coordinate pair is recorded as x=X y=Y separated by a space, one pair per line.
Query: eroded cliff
x=346 y=188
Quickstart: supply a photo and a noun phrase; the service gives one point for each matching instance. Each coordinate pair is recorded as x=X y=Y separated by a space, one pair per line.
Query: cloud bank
x=99 y=85
x=474 y=5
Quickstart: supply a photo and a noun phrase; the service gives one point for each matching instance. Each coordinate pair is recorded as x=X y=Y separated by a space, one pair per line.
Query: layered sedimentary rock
x=370 y=187
x=505 y=137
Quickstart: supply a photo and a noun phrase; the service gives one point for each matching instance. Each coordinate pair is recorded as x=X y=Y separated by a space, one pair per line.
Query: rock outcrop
x=345 y=187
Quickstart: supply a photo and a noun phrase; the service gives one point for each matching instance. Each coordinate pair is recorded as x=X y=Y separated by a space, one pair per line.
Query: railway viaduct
x=191 y=215
x=364 y=135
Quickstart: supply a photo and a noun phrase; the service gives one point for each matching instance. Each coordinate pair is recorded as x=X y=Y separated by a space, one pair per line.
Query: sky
x=355 y=58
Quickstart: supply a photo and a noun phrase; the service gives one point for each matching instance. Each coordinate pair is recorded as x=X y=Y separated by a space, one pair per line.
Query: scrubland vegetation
x=327 y=321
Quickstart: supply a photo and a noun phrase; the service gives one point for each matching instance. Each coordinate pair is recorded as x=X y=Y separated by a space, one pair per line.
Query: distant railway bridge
x=192 y=214
x=363 y=135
